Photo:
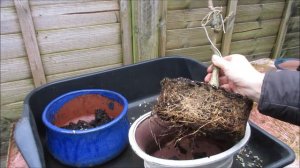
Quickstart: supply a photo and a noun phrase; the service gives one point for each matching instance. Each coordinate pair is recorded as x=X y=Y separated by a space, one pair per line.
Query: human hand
x=237 y=75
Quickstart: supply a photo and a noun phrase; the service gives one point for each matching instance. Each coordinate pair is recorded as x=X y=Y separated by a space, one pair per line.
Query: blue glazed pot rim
x=279 y=61
x=67 y=131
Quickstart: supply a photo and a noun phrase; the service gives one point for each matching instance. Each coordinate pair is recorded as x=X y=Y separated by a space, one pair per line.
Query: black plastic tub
x=140 y=84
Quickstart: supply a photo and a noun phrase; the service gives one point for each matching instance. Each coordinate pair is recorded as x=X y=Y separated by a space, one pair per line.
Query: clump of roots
x=192 y=108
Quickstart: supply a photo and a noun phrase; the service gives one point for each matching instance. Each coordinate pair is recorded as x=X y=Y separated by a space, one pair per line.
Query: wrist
x=256 y=86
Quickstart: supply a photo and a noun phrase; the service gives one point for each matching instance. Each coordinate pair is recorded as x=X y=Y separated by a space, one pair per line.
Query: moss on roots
x=195 y=108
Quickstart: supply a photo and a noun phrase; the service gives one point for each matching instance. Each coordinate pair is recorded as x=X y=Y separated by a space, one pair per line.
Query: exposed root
x=192 y=108
x=153 y=135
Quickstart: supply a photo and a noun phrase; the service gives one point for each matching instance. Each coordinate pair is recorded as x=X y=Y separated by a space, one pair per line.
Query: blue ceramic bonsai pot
x=93 y=146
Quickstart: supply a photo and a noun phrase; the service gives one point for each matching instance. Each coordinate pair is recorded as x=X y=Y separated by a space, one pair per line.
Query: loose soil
x=87 y=111
x=188 y=149
x=100 y=118
x=156 y=138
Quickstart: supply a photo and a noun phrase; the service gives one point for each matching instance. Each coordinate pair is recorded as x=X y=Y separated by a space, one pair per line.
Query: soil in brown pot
x=156 y=138
x=188 y=149
x=87 y=111
x=198 y=109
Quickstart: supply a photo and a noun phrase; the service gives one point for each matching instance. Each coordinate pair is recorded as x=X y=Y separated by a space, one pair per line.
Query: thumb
x=219 y=62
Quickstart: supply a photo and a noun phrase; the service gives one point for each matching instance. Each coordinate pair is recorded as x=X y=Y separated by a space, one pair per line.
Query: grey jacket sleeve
x=280 y=96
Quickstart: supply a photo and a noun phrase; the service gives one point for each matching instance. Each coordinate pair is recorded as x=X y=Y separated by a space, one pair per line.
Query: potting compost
x=100 y=118
x=87 y=111
x=199 y=109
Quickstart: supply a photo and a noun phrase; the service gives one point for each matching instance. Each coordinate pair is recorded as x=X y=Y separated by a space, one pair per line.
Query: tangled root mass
x=193 y=108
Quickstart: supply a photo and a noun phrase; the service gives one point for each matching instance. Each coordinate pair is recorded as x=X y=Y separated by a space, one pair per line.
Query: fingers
x=229 y=57
x=207 y=77
x=223 y=80
x=220 y=61
x=227 y=87
x=210 y=68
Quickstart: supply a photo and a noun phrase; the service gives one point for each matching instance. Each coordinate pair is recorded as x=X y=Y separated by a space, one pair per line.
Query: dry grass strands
x=198 y=109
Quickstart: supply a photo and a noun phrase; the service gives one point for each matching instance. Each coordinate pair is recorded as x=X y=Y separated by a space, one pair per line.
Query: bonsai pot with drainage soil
x=86 y=127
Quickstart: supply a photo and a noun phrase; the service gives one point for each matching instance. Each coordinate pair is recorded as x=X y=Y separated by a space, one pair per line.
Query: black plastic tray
x=140 y=84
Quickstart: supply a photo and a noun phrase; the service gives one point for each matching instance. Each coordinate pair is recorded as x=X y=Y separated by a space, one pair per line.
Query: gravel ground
x=287 y=133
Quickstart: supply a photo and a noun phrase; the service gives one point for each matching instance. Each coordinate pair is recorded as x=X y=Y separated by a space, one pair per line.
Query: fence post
x=282 y=29
x=229 y=25
x=31 y=45
x=145 y=29
x=163 y=28
x=125 y=12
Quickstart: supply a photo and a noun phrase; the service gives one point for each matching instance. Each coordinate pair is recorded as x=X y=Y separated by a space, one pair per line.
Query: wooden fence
x=258 y=29
x=43 y=41
x=289 y=46
x=47 y=40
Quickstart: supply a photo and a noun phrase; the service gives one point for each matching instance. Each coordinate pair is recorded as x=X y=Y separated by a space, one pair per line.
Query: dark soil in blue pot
x=87 y=111
x=100 y=118
x=99 y=127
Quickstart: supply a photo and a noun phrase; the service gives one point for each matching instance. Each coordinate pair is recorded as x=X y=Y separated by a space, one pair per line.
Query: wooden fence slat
x=247 y=2
x=282 y=29
x=291 y=52
x=81 y=59
x=75 y=8
x=240 y=27
x=200 y=53
x=126 y=31
x=183 y=38
x=18 y=68
x=163 y=28
x=6 y=3
x=248 y=13
x=12 y=46
x=295 y=9
x=253 y=57
x=15 y=69
x=15 y=91
x=188 y=14
x=78 y=38
x=294 y=24
x=55 y=77
x=10 y=3
x=291 y=40
x=183 y=24
x=61 y=21
x=28 y=32
x=246 y=47
x=9 y=21
x=12 y=111
x=244 y=13
x=191 y=4
x=249 y=30
x=229 y=27
x=145 y=21
x=253 y=46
